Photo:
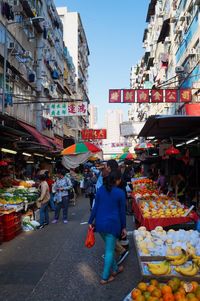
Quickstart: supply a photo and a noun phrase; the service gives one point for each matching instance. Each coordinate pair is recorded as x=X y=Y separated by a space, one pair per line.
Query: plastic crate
x=9 y=223
x=19 y=231
x=8 y=217
x=8 y=230
x=18 y=217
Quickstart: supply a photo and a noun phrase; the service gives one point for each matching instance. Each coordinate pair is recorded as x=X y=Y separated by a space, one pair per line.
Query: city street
x=53 y=264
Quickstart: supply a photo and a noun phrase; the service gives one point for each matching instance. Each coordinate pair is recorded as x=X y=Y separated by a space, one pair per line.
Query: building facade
x=76 y=42
x=171 y=58
x=93 y=118
x=36 y=69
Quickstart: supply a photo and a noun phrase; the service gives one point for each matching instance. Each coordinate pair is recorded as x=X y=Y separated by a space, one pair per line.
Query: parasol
x=127 y=156
x=81 y=148
x=143 y=146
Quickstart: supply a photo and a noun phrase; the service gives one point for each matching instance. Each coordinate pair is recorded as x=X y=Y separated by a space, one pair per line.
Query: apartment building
x=36 y=69
x=76 y=41
x=171 y=53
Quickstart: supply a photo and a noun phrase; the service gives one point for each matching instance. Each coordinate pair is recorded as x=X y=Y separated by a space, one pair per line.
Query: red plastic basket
x=9 y=236
x=8 y=217
x=9 y=223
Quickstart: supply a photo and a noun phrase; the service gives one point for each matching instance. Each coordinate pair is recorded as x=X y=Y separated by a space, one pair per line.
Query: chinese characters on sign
x=89 y=134
x=68 y=109
x=149 y=96
x=114 y=96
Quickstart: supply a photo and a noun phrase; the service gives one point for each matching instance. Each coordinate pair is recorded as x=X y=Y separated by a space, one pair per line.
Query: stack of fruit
x=159 y=242
x=173 y=290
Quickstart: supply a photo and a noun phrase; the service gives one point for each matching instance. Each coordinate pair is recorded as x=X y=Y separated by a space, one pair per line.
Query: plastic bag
x=90 y=239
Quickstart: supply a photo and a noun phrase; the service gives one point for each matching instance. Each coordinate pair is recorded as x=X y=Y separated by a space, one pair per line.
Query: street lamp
x=34 y=20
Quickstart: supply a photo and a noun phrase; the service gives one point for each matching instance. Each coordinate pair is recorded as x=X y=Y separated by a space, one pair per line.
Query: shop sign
x=89 y=134
x=149 y=95
x=115 y=96
x=68 y=109
x=192 y=109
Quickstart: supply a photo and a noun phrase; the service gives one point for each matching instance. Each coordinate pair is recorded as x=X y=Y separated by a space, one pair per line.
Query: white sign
x=130 y=128
x=68 y=109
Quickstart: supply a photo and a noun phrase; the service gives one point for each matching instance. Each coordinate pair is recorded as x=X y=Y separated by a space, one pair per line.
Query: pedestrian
x=89 y=185
x=50 y=182
x=43 y=201
x=62 y=187
x=109 y=213
x=161 y=182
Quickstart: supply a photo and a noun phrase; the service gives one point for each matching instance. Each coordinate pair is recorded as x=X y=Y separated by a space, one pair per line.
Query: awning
x=174 y=126
x=164 y=31
x=151 y=10
x=39 y=137
x=54 y=144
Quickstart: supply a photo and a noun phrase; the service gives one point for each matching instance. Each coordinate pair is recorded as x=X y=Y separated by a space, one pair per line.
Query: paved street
x=53 y=264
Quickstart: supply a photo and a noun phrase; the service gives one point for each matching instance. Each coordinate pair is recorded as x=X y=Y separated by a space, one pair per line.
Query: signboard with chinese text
x=115 y=96
x=149 y=95
x=90 y=134
x=61 y=109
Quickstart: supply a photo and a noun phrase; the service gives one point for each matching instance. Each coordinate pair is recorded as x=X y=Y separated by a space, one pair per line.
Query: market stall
x=152 y=209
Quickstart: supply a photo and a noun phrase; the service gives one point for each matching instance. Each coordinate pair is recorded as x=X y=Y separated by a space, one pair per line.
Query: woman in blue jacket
x=109 y=213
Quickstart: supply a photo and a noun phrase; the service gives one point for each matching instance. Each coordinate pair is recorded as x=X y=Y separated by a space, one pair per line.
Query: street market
x=100 y=150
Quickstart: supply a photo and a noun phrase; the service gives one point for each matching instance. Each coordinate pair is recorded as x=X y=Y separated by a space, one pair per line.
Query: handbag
x=90 y=238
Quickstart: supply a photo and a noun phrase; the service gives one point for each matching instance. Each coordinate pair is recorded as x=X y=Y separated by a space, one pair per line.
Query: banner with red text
x=90 y=134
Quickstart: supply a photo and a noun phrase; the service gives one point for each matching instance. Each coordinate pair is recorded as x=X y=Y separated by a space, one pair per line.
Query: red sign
x=171 y=95
x=115 y=96
x=185 y=95
x=192 y=109
x=156 y=96
x=129 y=96
x=142 y=95
x=89 y=134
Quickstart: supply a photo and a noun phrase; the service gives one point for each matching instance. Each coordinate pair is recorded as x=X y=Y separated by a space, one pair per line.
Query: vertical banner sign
x=129 y=96
x=156 y=96
x=171 y=95
x=185 y=95
x=142 y=95
x=115 y=96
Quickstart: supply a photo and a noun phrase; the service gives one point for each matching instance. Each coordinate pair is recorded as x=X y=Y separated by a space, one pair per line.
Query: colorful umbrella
x=81 y=148
x=127 y=156
x=172 y=151
x=143 y=146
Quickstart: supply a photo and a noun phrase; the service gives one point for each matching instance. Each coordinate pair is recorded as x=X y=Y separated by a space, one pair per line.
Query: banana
x=195 y=256
x=174 y=257
x=159 y=268
x=197 y=261
x=180 y=261
x=191 y=270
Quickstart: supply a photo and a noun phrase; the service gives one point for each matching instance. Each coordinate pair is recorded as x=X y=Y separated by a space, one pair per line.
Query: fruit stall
x=17 y=199
x=152 y=209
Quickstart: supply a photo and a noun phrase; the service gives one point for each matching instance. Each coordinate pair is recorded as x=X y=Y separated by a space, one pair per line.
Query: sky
x=114 y=31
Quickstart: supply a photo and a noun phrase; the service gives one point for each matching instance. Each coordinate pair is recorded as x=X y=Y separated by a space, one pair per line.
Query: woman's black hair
x=111 y=179
x=112 y=164
x=42 y=177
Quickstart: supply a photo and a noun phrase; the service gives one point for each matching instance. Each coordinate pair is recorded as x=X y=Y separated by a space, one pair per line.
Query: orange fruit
x=174 y=285
x=156 y=293
x=197 y=293
x=153 y=298
x=135 y=293
x=195 y=286
x=182 y=291
x=154 y=282
x=168 y=297
x=191 y=296
x=140 y=298
x=166 y=289
x=142 y=286
x=151 y=288
x=178 y=296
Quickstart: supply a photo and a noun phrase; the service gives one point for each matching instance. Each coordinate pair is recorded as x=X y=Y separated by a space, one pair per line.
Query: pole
x=4 y=71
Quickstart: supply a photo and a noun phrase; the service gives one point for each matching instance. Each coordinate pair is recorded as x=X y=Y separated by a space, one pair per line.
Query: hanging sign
x=68 y=109
x=149 y=96
x=90 y=134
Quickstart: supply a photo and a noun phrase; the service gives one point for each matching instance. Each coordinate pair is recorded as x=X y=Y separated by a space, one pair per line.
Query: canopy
x=127 y=156
x=81 y=148
x=174 y=126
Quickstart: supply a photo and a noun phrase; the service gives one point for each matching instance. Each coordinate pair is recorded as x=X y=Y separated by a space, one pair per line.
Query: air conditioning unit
x=180 y=29
x=167 y=40
x=192 y=51
x=9 y=72
x=182 y=17
x=179 y=69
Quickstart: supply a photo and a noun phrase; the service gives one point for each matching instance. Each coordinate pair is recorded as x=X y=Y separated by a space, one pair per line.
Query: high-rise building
x=113 y=118
x=93 y=118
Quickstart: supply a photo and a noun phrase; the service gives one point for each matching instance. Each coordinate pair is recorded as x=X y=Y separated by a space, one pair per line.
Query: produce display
x=159 y=242
x=173 y=290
